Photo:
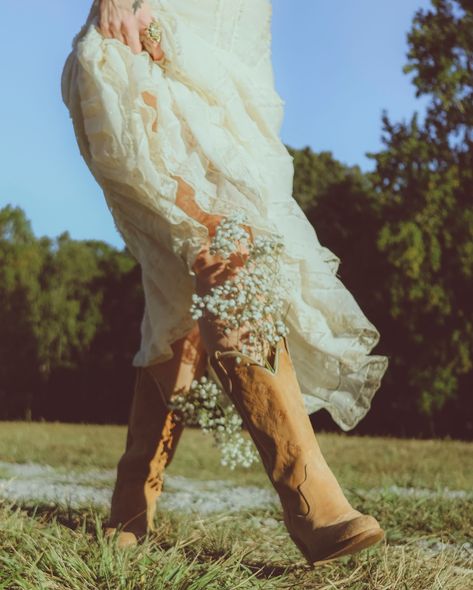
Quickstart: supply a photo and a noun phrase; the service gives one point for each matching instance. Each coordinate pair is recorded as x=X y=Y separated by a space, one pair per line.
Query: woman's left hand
x=127 y=21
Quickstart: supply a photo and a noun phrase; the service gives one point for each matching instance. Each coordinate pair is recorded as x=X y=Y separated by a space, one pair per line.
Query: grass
x=364 y=462
x=43 y=547
x=53 y=550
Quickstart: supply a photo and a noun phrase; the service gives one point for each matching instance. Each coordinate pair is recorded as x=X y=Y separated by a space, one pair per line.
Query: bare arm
x=126 y=21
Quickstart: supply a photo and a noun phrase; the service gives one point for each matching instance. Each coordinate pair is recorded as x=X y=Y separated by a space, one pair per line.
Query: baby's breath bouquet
x=204 y=406
x=252 y=300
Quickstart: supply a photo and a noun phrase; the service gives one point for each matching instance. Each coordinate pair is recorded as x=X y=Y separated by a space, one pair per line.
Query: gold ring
x=153 y=31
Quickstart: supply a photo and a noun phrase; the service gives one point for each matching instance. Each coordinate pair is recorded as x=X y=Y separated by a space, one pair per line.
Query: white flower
x=203 y=407
x=254 y=299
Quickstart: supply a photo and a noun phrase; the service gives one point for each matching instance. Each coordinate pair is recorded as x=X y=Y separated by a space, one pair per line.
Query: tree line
x=70 y=310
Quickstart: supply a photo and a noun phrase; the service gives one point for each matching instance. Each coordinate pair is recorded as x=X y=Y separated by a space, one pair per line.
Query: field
x=223 y=529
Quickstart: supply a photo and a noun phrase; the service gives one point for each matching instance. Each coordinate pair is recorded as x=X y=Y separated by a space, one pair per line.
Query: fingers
x=152 y=47
x=115 y=28
x=103 y=24
x=157 y=53
x=115 y=23
x=111 y=30
x=105 y=30
x=132 y=39
x=131 y=32
x=110 y=24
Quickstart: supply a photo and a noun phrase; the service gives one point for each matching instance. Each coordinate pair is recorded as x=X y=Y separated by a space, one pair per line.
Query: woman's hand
x=126 y=20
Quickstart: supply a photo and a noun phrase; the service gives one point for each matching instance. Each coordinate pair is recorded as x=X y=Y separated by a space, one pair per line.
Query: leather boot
x=153 y=434
x=318 y=517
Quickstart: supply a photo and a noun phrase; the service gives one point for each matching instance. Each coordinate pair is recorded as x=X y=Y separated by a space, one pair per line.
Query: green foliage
x=56 y=302
x=404 y=234
x=424 y=181
x=21 y=260
x=315 y=174
x=440 y=55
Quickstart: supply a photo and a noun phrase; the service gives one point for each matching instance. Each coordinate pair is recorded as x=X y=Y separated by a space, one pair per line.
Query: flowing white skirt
x=216 y=125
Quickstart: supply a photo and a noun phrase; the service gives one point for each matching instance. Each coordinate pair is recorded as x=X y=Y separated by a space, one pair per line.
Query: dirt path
x=31 y=482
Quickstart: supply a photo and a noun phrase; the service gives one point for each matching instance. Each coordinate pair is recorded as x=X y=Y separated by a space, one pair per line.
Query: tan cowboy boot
x=153 y=434
x=318 y=517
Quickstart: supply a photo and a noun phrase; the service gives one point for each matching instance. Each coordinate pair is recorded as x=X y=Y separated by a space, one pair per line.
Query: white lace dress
x=215 y=124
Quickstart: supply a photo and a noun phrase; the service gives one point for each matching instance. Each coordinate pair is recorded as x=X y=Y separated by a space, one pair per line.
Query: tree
x=315 y=174
x=70 y=313
x=21 y=260
x=424 y=181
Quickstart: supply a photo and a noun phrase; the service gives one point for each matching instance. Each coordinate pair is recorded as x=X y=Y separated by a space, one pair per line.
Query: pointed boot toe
x=336 y=540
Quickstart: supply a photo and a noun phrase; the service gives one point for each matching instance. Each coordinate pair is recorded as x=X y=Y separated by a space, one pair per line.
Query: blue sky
x=337 y=64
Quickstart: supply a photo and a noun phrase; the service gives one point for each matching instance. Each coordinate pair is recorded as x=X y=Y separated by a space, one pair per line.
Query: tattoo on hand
x=136 y=5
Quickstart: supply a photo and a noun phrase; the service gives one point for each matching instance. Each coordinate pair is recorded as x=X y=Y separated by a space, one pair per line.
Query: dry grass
x=56 y=548
x=364 y=462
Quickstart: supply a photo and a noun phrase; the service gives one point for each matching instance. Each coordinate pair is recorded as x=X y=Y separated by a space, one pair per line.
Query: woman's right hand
x=126 y=20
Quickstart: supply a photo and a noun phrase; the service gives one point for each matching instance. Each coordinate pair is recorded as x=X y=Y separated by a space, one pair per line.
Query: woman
x=175 y=112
